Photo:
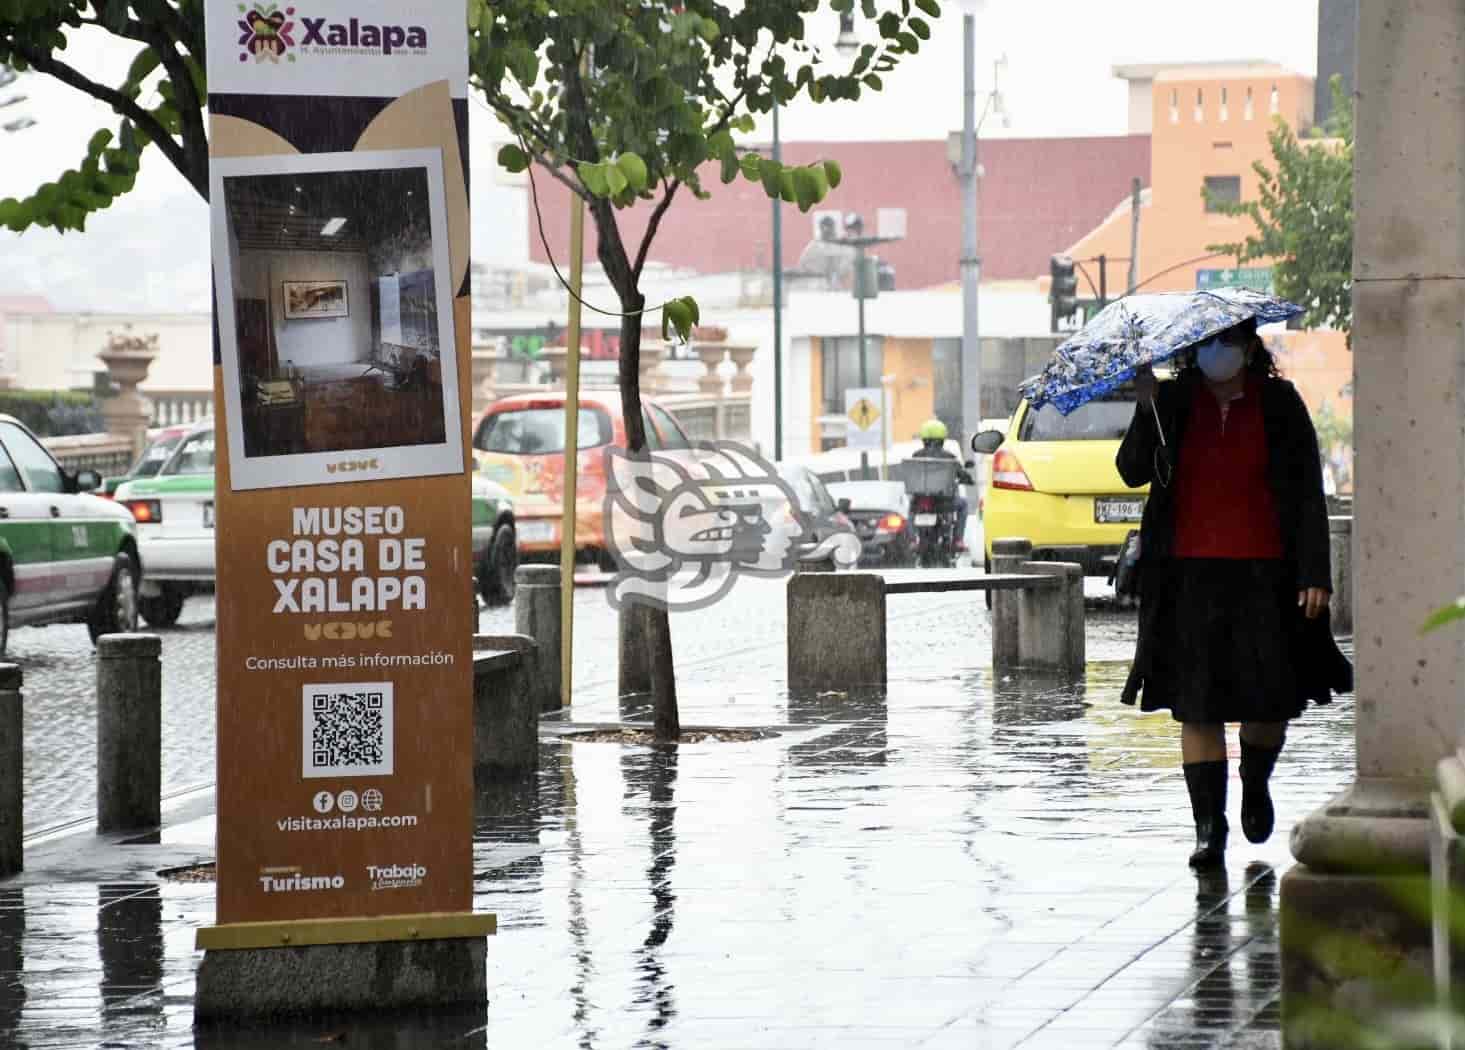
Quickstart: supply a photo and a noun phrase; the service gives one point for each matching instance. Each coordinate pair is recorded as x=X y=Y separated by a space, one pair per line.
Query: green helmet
x=933 y=430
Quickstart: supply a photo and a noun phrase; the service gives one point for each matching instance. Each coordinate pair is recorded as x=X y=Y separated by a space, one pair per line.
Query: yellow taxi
x=1053 y=482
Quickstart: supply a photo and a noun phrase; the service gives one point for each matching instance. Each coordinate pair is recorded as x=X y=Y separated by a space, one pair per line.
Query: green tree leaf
x=592 y=176
x=833 y=173
x=615 y=180
x=512 y=158
x=634 y=169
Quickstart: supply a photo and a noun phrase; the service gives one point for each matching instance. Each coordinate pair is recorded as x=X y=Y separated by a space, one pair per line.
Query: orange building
x=1208 y=126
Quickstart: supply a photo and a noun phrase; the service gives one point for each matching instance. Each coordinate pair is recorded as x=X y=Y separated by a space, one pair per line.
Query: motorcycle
x=931 y=485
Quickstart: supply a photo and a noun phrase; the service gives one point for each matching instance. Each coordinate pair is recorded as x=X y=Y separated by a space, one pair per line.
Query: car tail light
x=1007 y=472
x=145 y=511
x=891 y=523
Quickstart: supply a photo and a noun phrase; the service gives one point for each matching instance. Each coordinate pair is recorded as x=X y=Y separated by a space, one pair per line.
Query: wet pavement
x=961 y=862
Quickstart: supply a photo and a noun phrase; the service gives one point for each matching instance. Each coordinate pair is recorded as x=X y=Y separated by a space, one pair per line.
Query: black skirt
x=1218 y=641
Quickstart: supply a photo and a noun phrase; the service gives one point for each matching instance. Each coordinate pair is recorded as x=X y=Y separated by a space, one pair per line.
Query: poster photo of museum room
x=342 y=336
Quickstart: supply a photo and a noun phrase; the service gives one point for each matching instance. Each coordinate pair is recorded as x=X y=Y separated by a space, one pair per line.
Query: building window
x=1200 y=105
x=1276 y=102
x=1224 y=100
x=1246 y=113
x=1174 y=106
x=839 y=368
x=1222 y=189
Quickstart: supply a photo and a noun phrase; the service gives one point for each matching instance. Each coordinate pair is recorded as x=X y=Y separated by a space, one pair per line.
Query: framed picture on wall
x=304 y=299
x=346 y=254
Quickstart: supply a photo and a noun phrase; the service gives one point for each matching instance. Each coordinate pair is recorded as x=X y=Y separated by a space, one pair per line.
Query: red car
x=519 y=442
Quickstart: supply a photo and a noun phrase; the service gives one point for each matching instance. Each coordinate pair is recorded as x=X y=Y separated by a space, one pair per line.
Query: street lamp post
x=971 y=258
x=777 y=303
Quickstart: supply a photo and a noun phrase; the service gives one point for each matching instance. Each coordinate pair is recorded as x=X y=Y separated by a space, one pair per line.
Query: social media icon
x=323 y=801
x=347 y=801
x=371 y=800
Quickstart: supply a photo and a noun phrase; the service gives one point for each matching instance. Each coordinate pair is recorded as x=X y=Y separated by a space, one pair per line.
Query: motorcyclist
x=933 y=446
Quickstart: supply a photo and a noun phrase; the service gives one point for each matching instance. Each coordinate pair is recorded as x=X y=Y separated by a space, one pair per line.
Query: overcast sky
x=150 y=251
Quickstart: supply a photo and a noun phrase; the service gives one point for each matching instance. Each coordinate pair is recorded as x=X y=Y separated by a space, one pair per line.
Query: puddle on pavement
x=960 y=851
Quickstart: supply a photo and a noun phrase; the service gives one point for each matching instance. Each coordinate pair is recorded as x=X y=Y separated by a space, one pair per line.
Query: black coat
x=1294 y=474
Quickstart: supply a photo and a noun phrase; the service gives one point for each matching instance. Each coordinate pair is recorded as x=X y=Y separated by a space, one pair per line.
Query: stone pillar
x=1340 y=536
x=1366 y=852
x=836 y=631
x=1050 y=620
x=505 y=707
x=1008 y=555
x=129 y=731
x=742 y=356
x=12 y=771
x=127 y=413
x=651 y=355
x=712 y=355
x=537 y=614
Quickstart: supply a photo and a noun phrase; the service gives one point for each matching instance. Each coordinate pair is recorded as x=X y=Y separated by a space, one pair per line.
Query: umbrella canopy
x=1139 y=330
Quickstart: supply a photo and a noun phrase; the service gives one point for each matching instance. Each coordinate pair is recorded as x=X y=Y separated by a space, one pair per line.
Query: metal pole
x=971 y=265
x=777 y=303
x=1133 y=235
x=1103 y=281
x=572 y=452
x=860 y=299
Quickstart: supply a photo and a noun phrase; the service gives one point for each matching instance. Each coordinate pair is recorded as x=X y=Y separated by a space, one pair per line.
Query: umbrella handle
x=1158 y=425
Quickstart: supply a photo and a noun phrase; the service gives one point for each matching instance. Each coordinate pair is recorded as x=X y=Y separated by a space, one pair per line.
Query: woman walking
x=1234 y=571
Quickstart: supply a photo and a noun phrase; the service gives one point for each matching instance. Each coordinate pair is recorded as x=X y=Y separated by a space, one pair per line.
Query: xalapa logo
x=266 y=33
x=682 y=526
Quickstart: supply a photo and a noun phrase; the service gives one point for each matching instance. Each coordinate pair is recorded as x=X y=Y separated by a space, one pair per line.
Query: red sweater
x=1223 y=505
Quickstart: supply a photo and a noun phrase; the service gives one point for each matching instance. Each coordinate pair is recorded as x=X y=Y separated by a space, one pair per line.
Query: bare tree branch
x=651 y=227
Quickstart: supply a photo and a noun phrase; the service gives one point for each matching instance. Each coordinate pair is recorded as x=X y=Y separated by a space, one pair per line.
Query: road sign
x=1257 y=278
x=865 y=428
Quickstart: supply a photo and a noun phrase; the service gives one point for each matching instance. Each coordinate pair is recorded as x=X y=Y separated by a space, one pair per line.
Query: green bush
x=53 y=413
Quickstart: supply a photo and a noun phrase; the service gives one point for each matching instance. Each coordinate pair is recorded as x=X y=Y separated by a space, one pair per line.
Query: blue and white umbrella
x=1140 y=330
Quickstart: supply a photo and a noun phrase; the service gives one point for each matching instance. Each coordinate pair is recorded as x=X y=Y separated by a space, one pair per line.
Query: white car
x=174 y=510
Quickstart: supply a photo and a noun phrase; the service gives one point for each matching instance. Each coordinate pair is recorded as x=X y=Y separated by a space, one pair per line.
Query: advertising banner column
x=339 y=202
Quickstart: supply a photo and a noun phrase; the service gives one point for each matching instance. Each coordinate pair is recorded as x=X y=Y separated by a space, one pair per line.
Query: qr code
x=347 y=729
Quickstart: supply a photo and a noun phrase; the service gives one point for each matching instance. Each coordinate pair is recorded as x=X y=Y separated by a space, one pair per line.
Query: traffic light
x=1063 y=293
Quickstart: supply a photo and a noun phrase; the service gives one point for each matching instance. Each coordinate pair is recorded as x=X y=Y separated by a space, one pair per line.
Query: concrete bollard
x=12 y=770
x=1340 y=540
x=537 y=614
x=505 y=707
x=634 y=649
x=836 y=631
x=129 y=732
x=1051 y=620
x=1008 y=556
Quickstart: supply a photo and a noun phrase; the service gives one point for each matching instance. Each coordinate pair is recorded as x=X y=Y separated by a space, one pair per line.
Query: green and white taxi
x=174 y=510
x=66 y=556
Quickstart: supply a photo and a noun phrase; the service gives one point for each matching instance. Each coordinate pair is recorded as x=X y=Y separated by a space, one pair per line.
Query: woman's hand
x=1144 y=383
x=1312 y=601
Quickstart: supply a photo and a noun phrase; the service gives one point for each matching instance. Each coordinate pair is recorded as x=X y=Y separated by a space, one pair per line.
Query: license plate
x=924 y=520
x=1118 y=510
x=208 y=515
x=536 y=531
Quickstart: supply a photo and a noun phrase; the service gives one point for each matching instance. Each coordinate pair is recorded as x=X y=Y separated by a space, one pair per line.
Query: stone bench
x=837 y=632
x=505 y=707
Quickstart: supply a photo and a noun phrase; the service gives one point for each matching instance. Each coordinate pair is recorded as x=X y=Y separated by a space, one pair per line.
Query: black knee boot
x=1257 y=815
x=1207 y=784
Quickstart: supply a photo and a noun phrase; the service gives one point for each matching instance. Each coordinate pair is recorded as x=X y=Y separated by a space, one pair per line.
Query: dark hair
x=1260 y=362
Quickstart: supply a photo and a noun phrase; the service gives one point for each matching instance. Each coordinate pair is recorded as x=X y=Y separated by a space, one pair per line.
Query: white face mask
x=1219 y=361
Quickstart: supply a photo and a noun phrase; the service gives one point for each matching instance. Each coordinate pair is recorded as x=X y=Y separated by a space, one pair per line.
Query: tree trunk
x=653 y=625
